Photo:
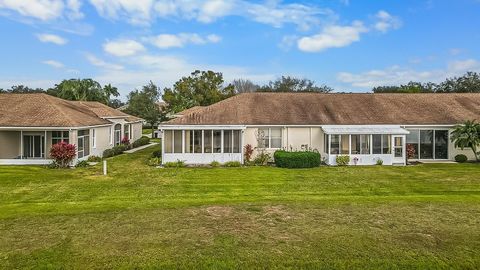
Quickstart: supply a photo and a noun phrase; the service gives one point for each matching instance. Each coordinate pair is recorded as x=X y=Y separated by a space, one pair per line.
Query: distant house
x=367 y=127
x=161 y=105
x=31 y=123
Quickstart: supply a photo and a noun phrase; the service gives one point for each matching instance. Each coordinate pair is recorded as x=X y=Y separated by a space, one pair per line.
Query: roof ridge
x=55 y=105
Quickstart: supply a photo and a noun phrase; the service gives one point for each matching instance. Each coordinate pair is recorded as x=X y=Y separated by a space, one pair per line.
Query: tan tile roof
x=336 y=109
x=42 y=110
x=105 y=111
x=190 y=110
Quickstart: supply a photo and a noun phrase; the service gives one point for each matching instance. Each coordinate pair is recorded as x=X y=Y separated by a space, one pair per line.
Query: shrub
x=94 y=159
x=262 y=159
x=82 y=164
x=215 y=164
x=125 y=141
x=144 y=140
x=63 y=154
x=300 y=159
x=176 y=164
x=157 y=154
x=154 y=161
x=119 y=149
x=248 y=153
x=342 y=160
x=461 y=158
x=379 y=161
x=232 y=164
x=108 y=153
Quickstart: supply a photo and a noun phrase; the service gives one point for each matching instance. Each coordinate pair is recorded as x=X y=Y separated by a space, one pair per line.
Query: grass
x=424 y=216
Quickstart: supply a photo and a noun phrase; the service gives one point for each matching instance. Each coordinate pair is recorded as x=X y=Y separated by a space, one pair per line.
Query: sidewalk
x=140 y=148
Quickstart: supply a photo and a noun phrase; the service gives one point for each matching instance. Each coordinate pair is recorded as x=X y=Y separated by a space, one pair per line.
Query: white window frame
x=269 y=136
x=94 y=138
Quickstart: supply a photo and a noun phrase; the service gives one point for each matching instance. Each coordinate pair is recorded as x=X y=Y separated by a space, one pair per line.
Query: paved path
x=139 y=148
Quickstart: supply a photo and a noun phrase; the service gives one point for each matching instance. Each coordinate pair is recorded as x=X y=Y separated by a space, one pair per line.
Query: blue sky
x=350 y=45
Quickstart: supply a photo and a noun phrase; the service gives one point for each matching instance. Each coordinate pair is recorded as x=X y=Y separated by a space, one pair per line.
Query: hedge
x=461 y=158
x=302 y=159
x=144 y=140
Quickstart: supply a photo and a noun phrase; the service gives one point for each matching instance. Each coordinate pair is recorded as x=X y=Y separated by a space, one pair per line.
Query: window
x=413 y=141
x=60 y=136
x=441 y=144
x=168 y=134
x=207 y=141
x=236 y=141
x=110 y=138
x=118 y=134
x=188 y=141
x=269 y=137
x=426 y=144
x=326 y=143
x=227 y=141
x=217 y=141
x=381 y=144
x=177 y=141
x=197 y=141
x=83 y=143
x=334 y=144
x=344 y=141
x=355 y=145
x=94 y=138
x=126 y=132
x=398 y=147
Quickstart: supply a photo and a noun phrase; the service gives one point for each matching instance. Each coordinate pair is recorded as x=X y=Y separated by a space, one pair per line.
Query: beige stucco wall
x=292 y=138
x=9 y=144
x=136 y=131
x=102 y=140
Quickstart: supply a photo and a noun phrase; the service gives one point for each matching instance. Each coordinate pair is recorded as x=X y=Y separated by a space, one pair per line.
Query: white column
x=45 y=145
x=221 y=141
x=349 y=144
x=329 y=143
x=183 y=141
x=163 y=146
x=21 y=144
x=203 y=140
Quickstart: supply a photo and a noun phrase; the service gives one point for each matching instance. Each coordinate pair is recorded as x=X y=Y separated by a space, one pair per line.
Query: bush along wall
x=301 y=159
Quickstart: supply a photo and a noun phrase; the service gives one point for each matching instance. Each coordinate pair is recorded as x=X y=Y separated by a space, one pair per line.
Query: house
x=365 y=126
x=31 y=123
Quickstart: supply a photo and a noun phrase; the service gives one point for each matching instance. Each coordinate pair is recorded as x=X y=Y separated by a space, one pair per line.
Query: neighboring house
x=367 y=127
x=31 y=123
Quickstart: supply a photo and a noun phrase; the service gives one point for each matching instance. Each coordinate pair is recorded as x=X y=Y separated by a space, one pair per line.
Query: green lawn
x=425 y=216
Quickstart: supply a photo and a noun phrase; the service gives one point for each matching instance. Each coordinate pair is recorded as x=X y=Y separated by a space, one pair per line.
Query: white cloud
x=271 y=12
x=44 y=10
x=101 y=63
x=334 y=36
x=165 y=70
x=396 y=75
x=386 y=22
x=53 y=63
x=455 y=51
x=123 y=47
x=50 y=38
x=165 y=41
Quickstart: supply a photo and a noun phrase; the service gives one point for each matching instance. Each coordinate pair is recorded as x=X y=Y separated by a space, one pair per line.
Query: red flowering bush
x=410 y=151
x=248 y=152
x=63 y=153
x=125 y=140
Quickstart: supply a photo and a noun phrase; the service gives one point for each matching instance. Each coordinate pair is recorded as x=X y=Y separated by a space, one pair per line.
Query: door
x=33 y=146
x=398 y=149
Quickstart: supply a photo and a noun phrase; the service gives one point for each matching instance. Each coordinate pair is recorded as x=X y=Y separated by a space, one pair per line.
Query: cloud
x=386 y=22
x=53 y=63
x=396 y=75
x=165 y=41
x=333 y=36
x=50 y=38
x=44 y=10
x=272 y=13
x=123 y=47
x=101 y=63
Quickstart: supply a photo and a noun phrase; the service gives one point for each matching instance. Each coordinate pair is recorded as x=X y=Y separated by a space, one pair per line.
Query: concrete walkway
x=139 y=148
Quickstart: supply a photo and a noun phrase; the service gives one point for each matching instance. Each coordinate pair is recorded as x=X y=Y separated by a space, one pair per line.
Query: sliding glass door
x=33 y=146
x=428 y=143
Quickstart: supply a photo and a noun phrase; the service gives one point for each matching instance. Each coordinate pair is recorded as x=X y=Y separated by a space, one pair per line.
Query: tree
x=144 y=104
x=115 y=103
x=292 y=84
x=22 y=89
x=411 y=87
x=467 y=135
x=201 y=88
x=85 y=90
x=244 y=86
x=468 y=83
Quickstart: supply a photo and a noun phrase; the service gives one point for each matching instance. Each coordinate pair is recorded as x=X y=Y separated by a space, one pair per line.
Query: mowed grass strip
x=425 y=216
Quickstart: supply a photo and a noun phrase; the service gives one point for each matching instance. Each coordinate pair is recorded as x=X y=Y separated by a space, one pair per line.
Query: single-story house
x=365 y=126
x=31 y=123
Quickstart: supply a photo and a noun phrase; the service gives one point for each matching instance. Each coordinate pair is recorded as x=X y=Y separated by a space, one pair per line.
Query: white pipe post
x=104 y=167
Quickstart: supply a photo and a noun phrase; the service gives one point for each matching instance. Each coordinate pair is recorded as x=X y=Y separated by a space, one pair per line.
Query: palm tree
x=467 y=135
